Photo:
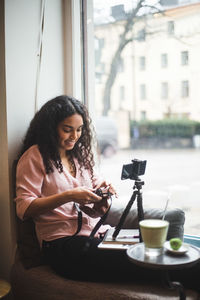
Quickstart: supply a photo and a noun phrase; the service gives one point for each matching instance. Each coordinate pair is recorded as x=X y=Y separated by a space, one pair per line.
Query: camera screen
x=132 y=171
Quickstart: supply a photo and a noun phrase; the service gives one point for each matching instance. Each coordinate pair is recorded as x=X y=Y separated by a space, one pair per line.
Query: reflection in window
x=184 y=88
x=184 y=58
x=170 y=27
x=142 y=62
x=164 y=90
x=142 y=91
x=164 y=60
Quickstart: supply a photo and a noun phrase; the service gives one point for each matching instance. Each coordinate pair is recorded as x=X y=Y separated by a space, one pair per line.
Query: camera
x=103 y=192
x=133 y=170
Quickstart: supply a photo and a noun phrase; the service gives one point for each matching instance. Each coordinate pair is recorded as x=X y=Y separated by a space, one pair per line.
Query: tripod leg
x=140 y=211
x=140 y=207
x=124 y=215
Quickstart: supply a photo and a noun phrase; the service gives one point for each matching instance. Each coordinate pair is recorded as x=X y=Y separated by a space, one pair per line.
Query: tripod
x=136 y=194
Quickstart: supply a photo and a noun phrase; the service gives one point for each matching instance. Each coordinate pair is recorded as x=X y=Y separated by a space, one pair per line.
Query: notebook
x=124 y=240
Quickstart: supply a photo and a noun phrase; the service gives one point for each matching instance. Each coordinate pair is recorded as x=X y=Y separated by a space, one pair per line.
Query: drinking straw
x=168 y=198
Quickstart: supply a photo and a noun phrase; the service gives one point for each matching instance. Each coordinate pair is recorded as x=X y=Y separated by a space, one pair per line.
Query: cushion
x=28 y=245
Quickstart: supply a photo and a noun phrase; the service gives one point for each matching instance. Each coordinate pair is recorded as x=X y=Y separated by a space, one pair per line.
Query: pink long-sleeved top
x=32 y=182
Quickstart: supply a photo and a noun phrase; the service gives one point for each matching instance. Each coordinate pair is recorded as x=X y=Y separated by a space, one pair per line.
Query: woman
x=55 y=180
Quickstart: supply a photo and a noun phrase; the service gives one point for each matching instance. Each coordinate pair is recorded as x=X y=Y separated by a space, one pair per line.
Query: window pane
x=142 y=92
x=164 y=60
x=170 y=27
x=185 y=88
x=139 y=62
x=121 y=65
x=164 y=90
x=141 y=35
x=184 y=58
x=122 y=93
x=142 y=62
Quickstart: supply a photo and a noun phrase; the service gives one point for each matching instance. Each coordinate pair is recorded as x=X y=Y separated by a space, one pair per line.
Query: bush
x=181 y=128
x=197 y=128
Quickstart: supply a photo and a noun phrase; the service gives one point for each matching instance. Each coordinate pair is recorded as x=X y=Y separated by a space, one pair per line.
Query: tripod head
x=138 y=184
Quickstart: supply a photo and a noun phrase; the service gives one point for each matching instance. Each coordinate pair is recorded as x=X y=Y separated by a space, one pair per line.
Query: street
x=169 y=173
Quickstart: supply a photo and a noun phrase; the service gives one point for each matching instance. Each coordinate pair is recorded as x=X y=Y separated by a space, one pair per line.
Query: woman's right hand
x=81 y=195
x=84 y=195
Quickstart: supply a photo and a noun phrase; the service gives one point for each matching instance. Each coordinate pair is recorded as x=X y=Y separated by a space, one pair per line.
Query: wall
x=18 y=63
x=5 y=225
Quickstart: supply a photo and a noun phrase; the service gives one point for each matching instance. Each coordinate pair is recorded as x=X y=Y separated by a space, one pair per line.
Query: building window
x=121 y=65
x=164 y=60
x=121 y=93
x=142 y=91
x=164 y=90
x=170 y=27
x=185 y=89
x=98 y=46
x=141 y=35
x=143 y=115
x=184 y=58
x=142 y=62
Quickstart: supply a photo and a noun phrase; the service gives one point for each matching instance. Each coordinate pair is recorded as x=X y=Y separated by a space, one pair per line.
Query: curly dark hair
x=43 y=132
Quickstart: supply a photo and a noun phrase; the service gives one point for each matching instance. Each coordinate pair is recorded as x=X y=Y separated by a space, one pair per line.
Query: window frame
x=72 y=48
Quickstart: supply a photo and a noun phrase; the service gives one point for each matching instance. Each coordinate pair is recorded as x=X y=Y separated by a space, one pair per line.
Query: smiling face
x=69 y=131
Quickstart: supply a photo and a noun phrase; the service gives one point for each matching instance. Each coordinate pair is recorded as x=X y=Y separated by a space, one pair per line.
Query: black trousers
x=70 y=258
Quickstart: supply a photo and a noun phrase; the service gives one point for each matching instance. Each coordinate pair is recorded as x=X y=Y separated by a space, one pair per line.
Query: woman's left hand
x=100 y=208
x=107 y=186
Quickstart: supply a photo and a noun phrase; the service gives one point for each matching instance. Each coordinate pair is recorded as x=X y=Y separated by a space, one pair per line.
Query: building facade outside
x=158 y=73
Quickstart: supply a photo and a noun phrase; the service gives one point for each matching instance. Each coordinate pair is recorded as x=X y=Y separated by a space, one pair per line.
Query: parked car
x=107 y=135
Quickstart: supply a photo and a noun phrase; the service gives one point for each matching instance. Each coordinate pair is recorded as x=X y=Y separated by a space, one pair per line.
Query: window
x=143 y=115
x=121 y=65
x=142 y=91
x=98 y=44
x=98 y=77
x=184 y=88
x=141 y=36
x=164 y=90
x=142 y=62
x=184 y=58
x=121 y=93
x=164 y=60
x=170 y=27
x=155 y=83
